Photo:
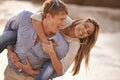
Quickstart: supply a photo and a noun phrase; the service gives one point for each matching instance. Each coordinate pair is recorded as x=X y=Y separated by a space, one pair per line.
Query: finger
x=46 y=45
x=51 y=43
x=55 y=44
x=19 y=65
x=47 y=42
x=27 y=61
x=15 y=58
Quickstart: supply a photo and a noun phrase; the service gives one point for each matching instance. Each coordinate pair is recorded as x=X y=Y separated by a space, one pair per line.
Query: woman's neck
x=69 y=32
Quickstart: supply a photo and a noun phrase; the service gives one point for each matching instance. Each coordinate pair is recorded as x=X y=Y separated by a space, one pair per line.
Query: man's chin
x=52 y=34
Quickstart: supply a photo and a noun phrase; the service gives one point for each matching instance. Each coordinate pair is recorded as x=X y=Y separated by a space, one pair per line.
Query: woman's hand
x=48 y=48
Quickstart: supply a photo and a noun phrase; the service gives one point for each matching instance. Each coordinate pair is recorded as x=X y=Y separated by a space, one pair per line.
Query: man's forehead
x=62 y=13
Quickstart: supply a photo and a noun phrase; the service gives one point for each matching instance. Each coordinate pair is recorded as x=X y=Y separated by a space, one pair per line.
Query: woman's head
x=87 y=40
x=84 y=28
x=53 y=7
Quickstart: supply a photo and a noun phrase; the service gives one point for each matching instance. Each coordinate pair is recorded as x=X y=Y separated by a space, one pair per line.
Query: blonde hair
x=53 y=7
x=85 y=48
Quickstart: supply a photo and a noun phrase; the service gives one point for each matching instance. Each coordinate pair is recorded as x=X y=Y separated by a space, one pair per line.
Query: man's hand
x=25 y=67
x=22 y=67
x=12 y=55
x=28 y=68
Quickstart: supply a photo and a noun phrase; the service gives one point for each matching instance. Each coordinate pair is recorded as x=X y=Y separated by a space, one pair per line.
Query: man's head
x=54 y=13
x=53 y=7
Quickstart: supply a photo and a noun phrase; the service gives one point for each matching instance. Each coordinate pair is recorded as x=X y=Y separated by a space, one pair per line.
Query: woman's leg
x=46 y=71
x=7 y=38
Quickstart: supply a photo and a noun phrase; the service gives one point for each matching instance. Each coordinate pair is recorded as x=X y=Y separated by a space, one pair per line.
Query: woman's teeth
x=80 y=32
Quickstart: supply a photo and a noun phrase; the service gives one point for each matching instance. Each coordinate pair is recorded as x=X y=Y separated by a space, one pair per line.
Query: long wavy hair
x=85 y=46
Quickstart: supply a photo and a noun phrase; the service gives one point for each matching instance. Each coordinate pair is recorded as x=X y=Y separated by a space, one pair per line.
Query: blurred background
x=104 y=61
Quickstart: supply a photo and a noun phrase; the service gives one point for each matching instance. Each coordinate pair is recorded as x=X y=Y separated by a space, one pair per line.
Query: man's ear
x=48 y=15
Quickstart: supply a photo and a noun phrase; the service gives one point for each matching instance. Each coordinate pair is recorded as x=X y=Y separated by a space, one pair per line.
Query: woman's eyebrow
x=87 y=25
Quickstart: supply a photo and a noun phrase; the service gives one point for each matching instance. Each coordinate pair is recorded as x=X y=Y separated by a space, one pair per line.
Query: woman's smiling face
x=84 y=29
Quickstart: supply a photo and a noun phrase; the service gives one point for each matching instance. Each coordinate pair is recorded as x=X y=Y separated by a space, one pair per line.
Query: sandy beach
x=104 y=61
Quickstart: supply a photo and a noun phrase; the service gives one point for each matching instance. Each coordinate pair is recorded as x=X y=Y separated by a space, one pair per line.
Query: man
x=28 y=44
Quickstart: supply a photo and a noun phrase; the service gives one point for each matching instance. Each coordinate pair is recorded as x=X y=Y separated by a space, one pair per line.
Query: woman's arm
x=54 y=59
x=39 y=30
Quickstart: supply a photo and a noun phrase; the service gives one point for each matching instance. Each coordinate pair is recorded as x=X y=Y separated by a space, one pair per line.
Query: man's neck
x=46 y=31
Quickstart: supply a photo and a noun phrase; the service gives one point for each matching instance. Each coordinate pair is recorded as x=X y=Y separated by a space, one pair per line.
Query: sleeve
x=37 y=16
x=68 y=22
x=12 y=24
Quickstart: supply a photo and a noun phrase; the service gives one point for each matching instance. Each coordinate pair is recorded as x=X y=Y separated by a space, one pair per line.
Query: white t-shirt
x=38 y=16
x=74 y=44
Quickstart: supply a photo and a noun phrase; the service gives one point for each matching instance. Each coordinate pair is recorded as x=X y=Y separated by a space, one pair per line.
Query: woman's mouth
x=80 y=33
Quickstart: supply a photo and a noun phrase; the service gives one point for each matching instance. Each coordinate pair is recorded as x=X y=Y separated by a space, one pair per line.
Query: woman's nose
x=85 y=30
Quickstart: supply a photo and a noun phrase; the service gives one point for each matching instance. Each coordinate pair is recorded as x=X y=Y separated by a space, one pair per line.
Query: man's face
x=56 y=22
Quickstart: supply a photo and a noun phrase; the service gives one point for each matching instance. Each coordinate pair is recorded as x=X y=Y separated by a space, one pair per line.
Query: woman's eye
x=88 y=32
x=86 y=26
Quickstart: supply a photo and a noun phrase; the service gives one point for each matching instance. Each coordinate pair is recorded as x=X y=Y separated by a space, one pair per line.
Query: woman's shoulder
x=37 y=16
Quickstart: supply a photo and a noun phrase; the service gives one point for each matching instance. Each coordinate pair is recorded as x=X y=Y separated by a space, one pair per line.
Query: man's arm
x=23 y=67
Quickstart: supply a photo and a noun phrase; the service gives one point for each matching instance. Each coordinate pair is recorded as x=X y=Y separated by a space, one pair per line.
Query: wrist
x=46 y=42
x=34 y=72
x=52 y=54
x=31 y=72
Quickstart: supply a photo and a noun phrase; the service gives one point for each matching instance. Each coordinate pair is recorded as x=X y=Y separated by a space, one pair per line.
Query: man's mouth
x=58 y=27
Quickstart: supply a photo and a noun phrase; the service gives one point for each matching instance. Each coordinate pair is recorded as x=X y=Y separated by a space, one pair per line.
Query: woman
x=84 y=32
x=81 y=34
